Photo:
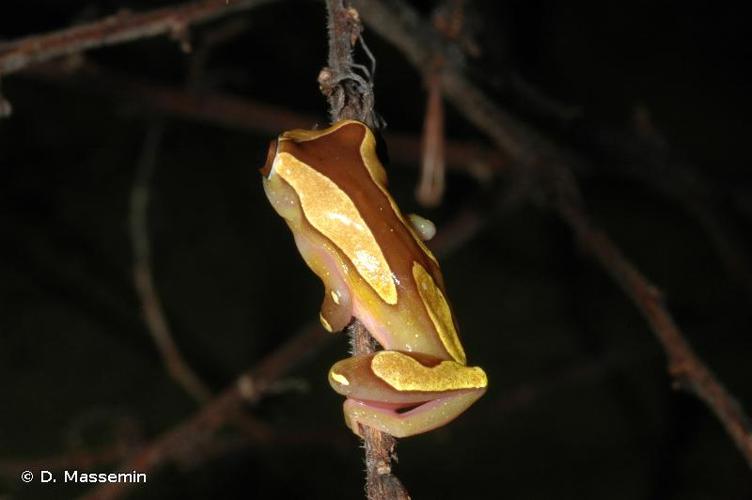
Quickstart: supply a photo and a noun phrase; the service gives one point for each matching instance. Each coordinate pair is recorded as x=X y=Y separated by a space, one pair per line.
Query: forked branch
x=551 y=167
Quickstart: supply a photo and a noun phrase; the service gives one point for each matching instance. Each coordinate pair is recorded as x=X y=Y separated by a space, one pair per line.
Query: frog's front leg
x=405 y=393
x=319 y=253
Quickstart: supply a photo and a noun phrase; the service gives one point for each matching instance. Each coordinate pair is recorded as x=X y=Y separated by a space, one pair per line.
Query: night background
x=652 y=98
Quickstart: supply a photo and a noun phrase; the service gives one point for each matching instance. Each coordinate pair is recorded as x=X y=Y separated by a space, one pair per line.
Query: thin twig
x=261 y=380
x=684 y=365
x=430 y=188
x=643 y=153
x=241 y=113
x=247 y=389
x=515 y=398
x=381 y=483
x=122 y=27
x=448 y=18
x=143 y=278
x=151 y=304
x=125 y=27
x=402 y=26
x=351 y=96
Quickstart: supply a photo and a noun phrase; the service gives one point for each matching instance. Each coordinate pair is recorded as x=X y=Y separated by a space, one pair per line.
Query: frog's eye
x=270 y=154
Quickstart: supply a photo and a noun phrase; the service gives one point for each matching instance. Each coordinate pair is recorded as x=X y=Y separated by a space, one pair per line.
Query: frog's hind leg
x=404 y=393
x=421 y=418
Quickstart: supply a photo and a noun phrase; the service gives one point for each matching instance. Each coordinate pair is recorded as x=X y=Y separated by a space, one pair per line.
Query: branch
x=643 y=153
x=430 y=188
x=125 y=26
x=143 y=278
x=379 y=446
x=247 y=389
x=119 y=28
x=551 y=166
x=251 y=386
x=255 y=383
x=351 y=96
x=684 y=365
x=241 y=113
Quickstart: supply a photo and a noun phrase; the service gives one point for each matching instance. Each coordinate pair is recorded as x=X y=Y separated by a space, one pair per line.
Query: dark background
x=579 y=407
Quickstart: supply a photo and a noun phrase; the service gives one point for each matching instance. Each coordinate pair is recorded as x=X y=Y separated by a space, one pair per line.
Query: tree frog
x=331 y=189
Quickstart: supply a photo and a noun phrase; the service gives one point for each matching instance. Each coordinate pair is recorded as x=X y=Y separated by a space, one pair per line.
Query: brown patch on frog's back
x=337 y=156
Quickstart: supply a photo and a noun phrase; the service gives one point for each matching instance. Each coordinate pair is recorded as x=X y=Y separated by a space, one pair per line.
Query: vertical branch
x=347 y=86
x=448 y=19
x=143 y=278
x=379 y=446
x=5 y=108
x=433 y=164
x=350 y=95
x=402 y=25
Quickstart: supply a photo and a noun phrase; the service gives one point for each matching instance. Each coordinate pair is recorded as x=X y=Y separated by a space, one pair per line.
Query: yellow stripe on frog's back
x=331 y=212
x=376 y=170
x=439 y=312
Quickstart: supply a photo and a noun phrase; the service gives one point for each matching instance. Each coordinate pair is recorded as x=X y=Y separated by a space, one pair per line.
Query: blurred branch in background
x=644 y=154
x=633 y=155
x=430 y=188
x=645 y=160
x=188 y=441
x=196 y=448
x=248 y=389
x=122 y=27
x=551 y=168
x=641 y=152
x=242 y=113
x=544 y=165
x=195 y=453
x=146 y=289
x=143 y=278
x=449 y=20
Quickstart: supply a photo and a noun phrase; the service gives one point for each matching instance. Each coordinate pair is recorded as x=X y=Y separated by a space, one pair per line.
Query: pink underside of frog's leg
x=423 y=418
